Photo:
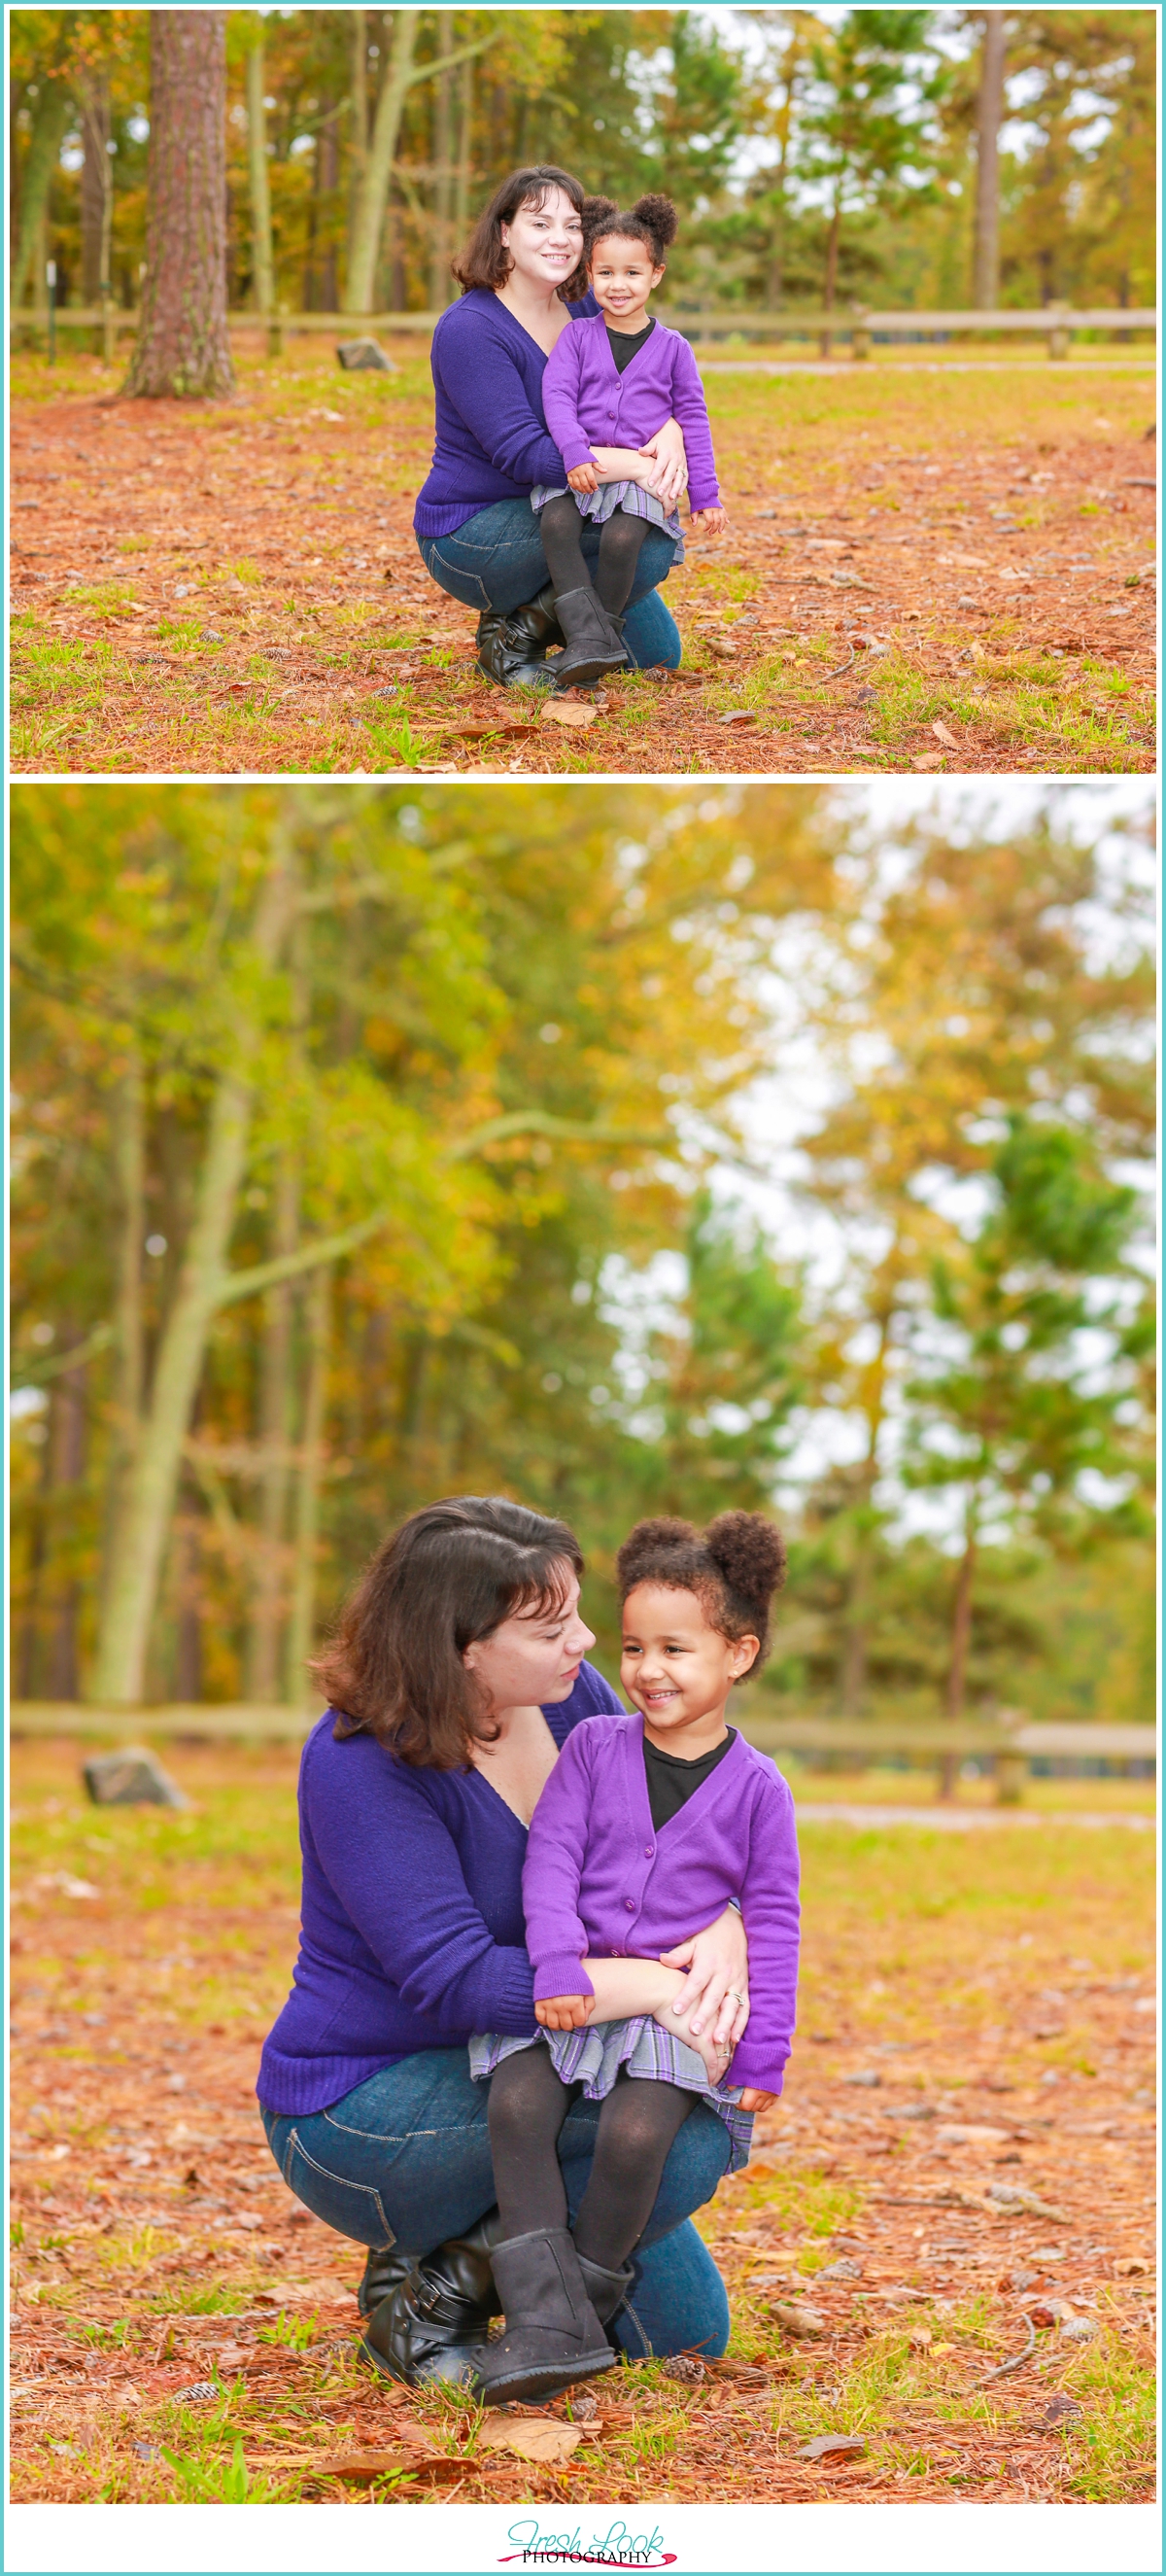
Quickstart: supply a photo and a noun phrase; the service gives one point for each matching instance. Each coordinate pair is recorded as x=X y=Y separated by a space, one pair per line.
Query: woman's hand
x=666 y=450
x=583 y=478
x=715 y=1993
x=716 y=2056
x=752 y=2100
x=711 y=520
x=565 y=2012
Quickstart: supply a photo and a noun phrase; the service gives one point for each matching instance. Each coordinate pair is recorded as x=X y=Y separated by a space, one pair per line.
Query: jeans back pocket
x=353 y=2208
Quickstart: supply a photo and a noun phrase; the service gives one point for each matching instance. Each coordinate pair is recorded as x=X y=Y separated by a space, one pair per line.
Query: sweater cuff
x=576 y=452
x=562 y=1976
x=755 y=2070
x=706 y=496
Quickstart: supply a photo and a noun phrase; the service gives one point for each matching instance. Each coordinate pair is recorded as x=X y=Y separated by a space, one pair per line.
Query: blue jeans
x=496 y=560
x=405 y=2159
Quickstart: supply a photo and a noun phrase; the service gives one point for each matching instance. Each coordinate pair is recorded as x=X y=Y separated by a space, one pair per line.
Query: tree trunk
x=142 y=1525
x=372 y=193
x=67 y=1460
x=188 y=1605
x=261 y=252
x=989 y=112
x=263 y=1675
x=830 y=286
x=96 y=189
x=52 y=116
x=183 y=345
x=961 y=1637
x=307 y=1515
x=440 y=245
x=358 y=89
x=465 y=143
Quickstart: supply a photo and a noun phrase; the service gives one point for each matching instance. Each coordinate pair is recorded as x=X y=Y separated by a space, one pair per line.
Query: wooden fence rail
x=1010 y=1749
x=861 y=327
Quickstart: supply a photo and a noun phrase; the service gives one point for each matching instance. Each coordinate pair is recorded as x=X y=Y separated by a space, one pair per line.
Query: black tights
x=638 y=2121
x=620 y=540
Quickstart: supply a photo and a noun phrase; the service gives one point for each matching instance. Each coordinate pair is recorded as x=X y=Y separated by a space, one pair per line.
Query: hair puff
x=661 y=217
x=734 y=1568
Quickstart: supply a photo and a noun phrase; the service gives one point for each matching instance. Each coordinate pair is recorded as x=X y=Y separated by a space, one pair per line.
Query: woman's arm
x=397 y=1874
x=715 y=1993
x=479 y=376
x=666 y=451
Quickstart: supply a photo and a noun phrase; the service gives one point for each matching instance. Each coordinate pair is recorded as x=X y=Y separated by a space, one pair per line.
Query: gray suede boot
x=595 y=645
x=606 y=2290
x=553 y=2336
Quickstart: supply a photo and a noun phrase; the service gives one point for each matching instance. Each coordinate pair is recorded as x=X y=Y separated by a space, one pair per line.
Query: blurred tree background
x=622 y=1150
x=810 y=160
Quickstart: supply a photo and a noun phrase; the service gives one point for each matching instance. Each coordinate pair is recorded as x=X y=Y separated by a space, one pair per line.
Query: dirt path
x=963 y=2043
x=926 y=569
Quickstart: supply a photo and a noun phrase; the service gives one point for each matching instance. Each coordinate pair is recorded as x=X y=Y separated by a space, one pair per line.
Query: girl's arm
x=769 y=1905
x=624 y=1987
x=689 y=408
x=561 y=378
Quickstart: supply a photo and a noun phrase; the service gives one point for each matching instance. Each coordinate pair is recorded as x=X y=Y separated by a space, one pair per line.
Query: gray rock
x=833 y=2446
x=869 y=2075
x=1077 y=2330
x=365 y=353
x=912 y=2111
x=844 y=2270
x=132 y=1777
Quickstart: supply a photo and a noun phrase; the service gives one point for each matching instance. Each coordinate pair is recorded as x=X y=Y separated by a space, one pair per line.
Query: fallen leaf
x=919 y=2338
x=566 y=711
x=940 y=731
x=362 y=2467
x=534 y=2438
x=966 y=563
x=738 y=716
x=960 y=2133
x=1128 y=2265
x=799 y=2319
x=929 y=760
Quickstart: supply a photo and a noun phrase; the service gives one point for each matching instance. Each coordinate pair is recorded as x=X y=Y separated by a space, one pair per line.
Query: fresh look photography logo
x=531 y=2546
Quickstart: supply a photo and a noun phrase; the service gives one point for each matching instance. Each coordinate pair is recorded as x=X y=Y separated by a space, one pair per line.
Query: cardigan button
x=630 y=1903
x=649 y=1848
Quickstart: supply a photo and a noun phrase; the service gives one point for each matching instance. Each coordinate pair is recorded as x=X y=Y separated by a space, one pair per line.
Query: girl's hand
x=667 y=451
x=752 y=2100
x=583 y=478
x=712 y=520
x=715 y=1994
x=716 y=2057
x=565 y=2012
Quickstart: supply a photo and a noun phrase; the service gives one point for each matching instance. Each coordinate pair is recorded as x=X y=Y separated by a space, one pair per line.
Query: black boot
x=606 y=2290
x=553 y=2336
x=432 y=2316
x=595 y=644
x=512 y=649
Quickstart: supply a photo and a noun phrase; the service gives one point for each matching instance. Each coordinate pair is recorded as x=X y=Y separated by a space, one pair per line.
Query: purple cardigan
x=585 y=398
x=598 y=1879
x=490 y=435
x=412 y=1934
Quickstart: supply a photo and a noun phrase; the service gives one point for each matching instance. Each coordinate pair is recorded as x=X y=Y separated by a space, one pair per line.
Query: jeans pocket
x=352 y=2208
x=454 y=578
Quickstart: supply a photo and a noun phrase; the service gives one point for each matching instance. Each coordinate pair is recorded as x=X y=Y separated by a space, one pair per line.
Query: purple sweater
x=490 y=435
x=599 y=1881
x=586 y=400
x=412 y=1932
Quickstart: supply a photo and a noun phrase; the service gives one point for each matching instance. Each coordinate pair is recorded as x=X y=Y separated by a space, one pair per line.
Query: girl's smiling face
x=545 y=242
x=677 y=1669
x=622 y=278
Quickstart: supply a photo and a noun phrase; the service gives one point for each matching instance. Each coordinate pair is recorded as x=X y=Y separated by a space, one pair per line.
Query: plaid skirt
x=610 y=497
x=593 y=2057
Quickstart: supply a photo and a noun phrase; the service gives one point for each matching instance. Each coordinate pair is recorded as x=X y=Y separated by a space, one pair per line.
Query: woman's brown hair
x=447 y=1578
x=486 y=260
x=734 y=1567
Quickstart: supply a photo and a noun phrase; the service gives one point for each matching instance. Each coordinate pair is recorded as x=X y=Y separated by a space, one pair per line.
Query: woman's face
x=545 y=242
x=534 y=1656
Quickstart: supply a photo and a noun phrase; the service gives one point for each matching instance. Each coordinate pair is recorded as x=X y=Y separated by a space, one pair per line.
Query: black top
x=672 y=1781
x=624 y=344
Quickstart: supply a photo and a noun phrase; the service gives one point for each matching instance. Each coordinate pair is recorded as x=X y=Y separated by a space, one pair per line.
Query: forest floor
x=939 y=565
x=961 y=2172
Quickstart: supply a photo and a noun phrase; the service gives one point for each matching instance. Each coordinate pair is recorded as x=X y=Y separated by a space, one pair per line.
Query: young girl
x=646 y=1822
x=615 y=378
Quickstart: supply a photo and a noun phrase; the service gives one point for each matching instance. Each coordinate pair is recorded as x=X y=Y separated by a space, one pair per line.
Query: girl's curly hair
x=652 y=220
x=734 y=1567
